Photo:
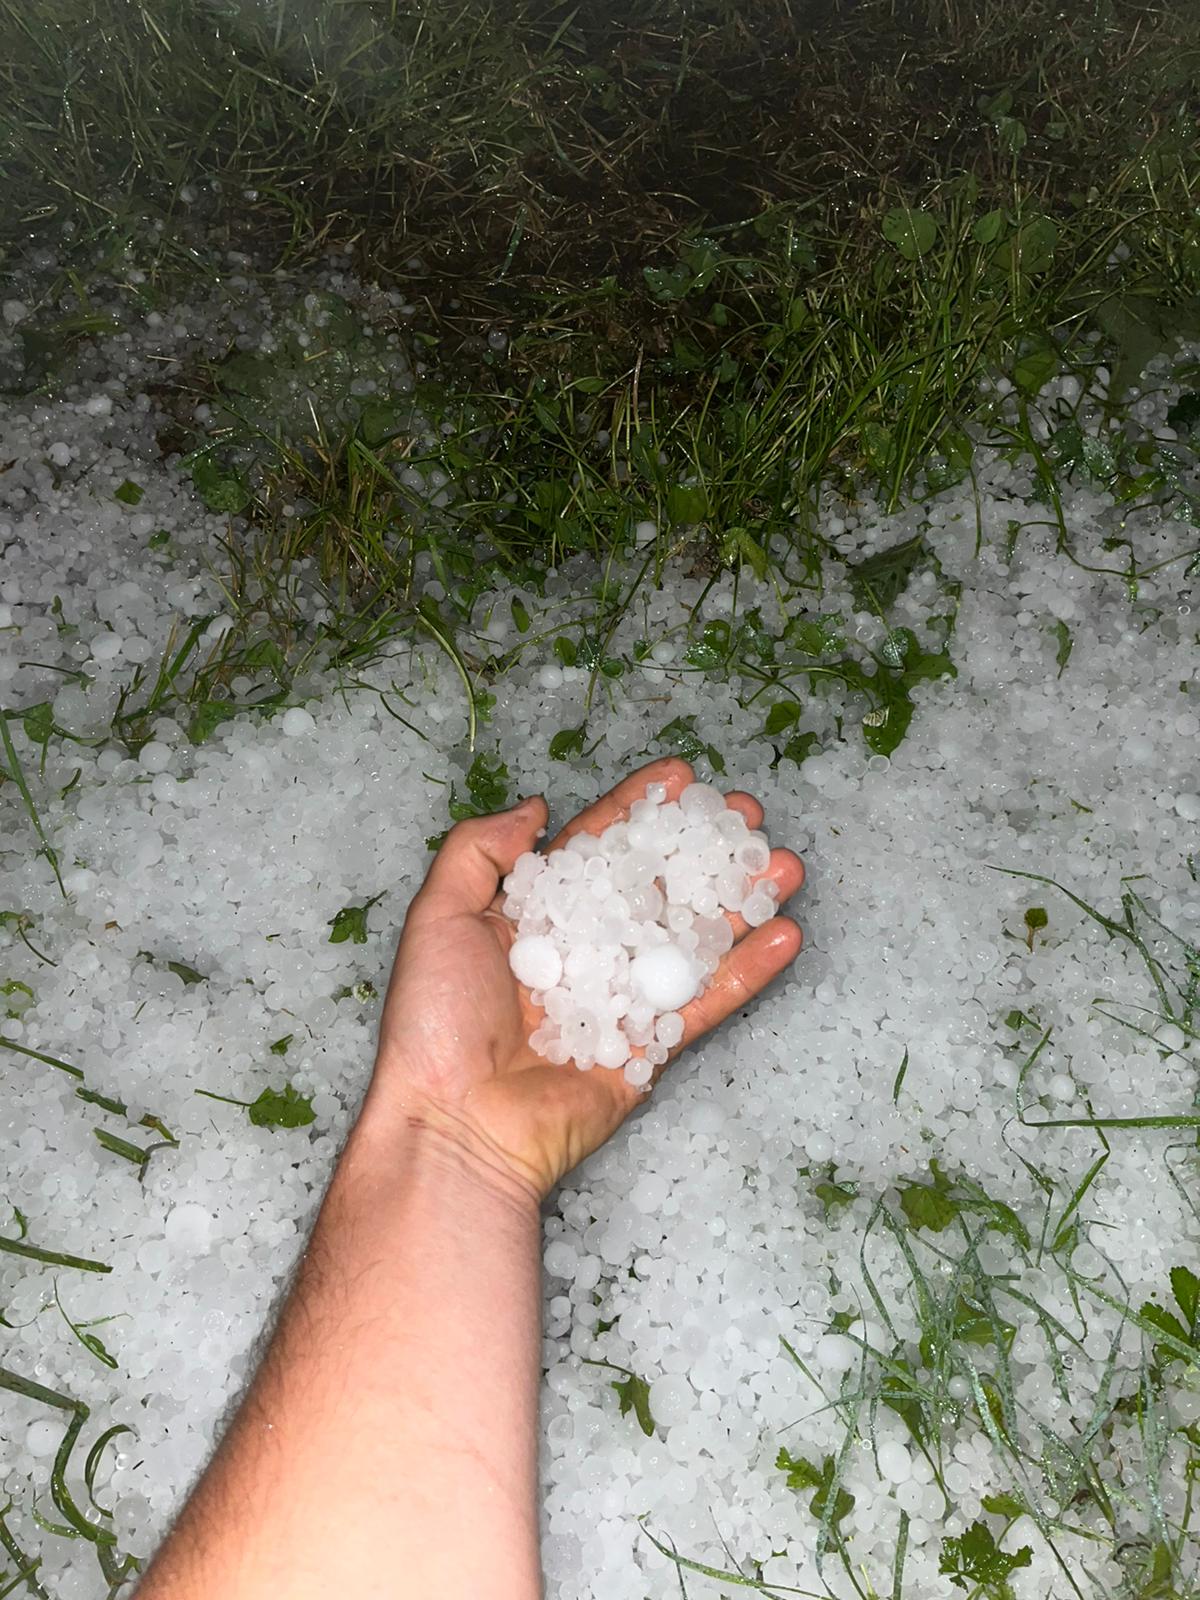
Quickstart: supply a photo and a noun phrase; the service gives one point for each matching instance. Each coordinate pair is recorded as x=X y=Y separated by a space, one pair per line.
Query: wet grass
x=526 y=140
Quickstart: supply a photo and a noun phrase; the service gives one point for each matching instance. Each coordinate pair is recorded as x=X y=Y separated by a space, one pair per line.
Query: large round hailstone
x=536 y=962
x=666 y=977
x=616 y=934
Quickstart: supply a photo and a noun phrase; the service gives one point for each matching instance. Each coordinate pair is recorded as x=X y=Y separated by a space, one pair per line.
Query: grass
x=527 y=139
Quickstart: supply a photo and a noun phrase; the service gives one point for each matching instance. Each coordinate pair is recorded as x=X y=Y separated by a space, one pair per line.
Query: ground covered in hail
x=888 y=1288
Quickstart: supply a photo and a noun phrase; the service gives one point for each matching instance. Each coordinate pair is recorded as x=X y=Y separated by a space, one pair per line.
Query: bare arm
x=387 y=1446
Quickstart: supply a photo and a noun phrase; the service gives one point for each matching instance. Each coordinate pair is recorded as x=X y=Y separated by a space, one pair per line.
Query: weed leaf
x=633 y=1394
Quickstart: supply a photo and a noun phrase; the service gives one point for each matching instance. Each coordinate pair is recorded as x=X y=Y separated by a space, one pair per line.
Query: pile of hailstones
x=617 y=932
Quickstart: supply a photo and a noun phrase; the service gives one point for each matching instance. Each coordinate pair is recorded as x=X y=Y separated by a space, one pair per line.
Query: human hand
x=454 y=1049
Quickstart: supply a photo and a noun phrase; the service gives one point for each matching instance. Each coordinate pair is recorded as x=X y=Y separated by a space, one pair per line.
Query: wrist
x=425 y=1138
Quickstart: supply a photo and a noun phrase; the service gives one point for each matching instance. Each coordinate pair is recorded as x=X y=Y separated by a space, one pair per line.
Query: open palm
x=454 y=1043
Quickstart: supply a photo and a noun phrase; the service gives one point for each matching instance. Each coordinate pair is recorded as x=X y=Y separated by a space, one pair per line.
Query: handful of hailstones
x=617 y=932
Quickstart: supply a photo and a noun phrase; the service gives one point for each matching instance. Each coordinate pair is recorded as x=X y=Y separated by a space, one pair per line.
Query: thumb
x=466 y=872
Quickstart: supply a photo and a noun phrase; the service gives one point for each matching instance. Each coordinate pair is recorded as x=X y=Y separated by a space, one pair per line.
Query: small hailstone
x=645 y=532
x=1187 y=806
x=297 y=722
x=189 y=1228
x=42 y=1438
x=154 y=756
x=895 y=1463
x=757 y=909
x=668 y=1029
x=836 y=1353
x=106 y=646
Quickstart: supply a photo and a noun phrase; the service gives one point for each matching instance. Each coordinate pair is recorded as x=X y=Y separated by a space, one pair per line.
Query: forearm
x=388 y=1444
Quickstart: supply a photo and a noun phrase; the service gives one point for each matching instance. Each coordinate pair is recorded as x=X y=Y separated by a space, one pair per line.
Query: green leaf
x=912 y=232
x=1185 y=1286
x=221 y=490
x=932 y=664
x=879 y=581
x=897 y=646
x=38 y=722
x=520 y=614
x=208 y=717
x=783 y=714
x=739 y=544
x=485 y=704
x=686 y=504
x=567 y=742
x=817 y=637
x=969 y=1326
x=1166 y=1322
x=350 y=923
x=129 y=493
x=633 y=1393
x=799 y=747
x=1012 y=134
x=929 y=1205
x=832 y=1194
x=487 y=783
x=711 y=649
x=1032 y=245
x=988 y=228
x=680 y=738
x=566 y=651
x=926 y=1207
x=1004 y=1505
x=281 y=1108
x=1184 y=415
x=1035 y=918
x=801 y=1474
x=280 y=1047
x=92 y=1342
x=974 y=1561
x=187 y=974
x=159 y=540
x=1035 y=367
x=1065 y=645
x=885 y=727
x=901 y=1392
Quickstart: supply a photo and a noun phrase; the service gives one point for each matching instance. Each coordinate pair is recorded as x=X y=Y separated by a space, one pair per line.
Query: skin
x=388 y=1444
